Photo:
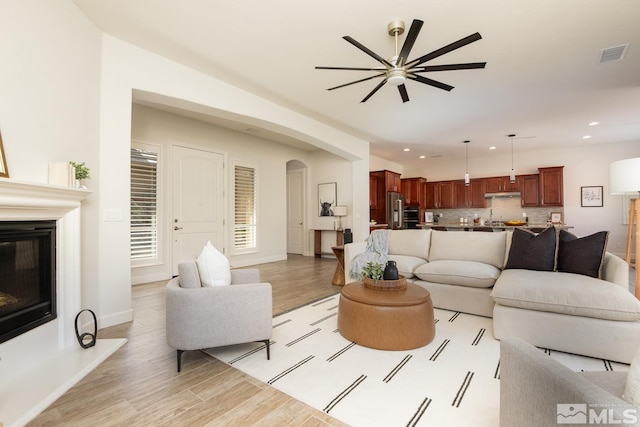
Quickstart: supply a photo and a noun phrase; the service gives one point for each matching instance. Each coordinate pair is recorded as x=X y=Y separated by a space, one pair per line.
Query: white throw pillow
x=213 y=267
x=632 y=388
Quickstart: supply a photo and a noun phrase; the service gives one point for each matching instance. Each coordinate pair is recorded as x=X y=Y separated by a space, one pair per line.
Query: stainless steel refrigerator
x=395 y=210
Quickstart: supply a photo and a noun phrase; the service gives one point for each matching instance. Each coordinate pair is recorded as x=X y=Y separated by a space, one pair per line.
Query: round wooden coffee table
x=386 y=320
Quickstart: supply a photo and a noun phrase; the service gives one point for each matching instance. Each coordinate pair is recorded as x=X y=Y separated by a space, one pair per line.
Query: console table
x=317 y=242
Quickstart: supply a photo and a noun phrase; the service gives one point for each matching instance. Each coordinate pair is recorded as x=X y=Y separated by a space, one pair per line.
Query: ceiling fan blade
x=448 y=67
x=375 y=89
x=352 y=68
x=416 y=25
x=446 y=49
x=403 y=93
x=368 y=51
x=357 y=81
x=430 y=82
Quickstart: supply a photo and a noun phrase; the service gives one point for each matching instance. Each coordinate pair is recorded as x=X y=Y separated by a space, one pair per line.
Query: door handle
x=176 y=228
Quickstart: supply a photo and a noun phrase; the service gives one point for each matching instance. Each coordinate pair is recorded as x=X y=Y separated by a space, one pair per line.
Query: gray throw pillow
x=533 y=252
x=584 y=255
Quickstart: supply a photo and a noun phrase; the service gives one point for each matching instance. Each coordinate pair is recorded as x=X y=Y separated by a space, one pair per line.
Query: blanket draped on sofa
x=377 y=251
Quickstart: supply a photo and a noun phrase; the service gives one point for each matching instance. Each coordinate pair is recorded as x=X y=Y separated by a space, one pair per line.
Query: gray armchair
x=532 y=385
x=202 y=317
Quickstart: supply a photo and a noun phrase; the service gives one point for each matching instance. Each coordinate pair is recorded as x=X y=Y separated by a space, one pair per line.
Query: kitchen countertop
x=457 y=225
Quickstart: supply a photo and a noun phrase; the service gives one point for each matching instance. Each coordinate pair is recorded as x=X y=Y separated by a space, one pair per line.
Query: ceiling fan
x=396 y=70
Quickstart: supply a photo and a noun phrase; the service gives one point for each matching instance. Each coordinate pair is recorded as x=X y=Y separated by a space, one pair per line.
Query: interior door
x=198 y=203
x=295 y=211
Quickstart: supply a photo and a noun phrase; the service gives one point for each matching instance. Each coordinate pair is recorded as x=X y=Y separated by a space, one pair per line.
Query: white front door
x=198 y=204
x=295 y=211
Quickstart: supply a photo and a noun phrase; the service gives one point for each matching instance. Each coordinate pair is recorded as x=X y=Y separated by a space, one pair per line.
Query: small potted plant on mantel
x=372 y=274
x=82 y=172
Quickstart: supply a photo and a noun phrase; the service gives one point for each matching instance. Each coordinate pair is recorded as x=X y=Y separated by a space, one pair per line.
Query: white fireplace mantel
x=38 y=366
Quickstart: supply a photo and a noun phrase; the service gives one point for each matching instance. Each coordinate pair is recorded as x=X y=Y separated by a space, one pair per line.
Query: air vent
x=435 y=156
x=615 y=53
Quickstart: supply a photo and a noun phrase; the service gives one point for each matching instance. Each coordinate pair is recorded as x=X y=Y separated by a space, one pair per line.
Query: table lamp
x=340 y=211
x=624 y=178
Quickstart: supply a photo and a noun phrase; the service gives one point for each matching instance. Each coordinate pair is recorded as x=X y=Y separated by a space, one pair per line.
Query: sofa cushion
x=487 y=248
x=463 y=273
x=213 y=267
x=410 y=242
x=532 y=251
x=632 y=387
x=565 y=293
x=189 y=275
x=584 y=255
x=406 y=264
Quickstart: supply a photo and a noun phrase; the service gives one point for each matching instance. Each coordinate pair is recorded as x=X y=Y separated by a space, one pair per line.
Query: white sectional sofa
x=465 y=271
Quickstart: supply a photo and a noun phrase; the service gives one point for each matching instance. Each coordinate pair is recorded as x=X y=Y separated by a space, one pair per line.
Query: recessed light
x=492 y=147
x=586 y=137
x=407 y=149
x=423 y=157
x=594 y=123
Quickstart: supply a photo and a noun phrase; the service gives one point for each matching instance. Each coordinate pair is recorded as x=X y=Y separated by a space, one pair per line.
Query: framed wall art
x=556 y=217
x=326 y=198
x=591 y=196
x=4 y=171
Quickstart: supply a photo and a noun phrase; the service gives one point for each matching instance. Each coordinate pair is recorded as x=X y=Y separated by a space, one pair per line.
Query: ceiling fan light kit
x=398 y=69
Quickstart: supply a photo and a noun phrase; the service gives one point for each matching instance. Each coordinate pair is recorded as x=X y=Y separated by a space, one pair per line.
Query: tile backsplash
x=499 y=209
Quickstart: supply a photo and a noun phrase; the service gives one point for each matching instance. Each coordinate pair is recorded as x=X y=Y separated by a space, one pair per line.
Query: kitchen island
x=496 y=226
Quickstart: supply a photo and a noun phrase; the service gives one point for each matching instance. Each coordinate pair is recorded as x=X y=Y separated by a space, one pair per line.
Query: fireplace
x=27 y=276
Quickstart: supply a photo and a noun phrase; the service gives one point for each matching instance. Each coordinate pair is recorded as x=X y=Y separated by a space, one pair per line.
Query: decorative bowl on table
x=515 y=222
x=385 y=285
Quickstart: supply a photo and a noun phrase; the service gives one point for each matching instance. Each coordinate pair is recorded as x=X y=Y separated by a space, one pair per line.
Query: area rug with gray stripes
x=453 y=381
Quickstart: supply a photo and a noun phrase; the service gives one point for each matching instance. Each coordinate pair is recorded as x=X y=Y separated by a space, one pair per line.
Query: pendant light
x=512 y=175
x=466 y=173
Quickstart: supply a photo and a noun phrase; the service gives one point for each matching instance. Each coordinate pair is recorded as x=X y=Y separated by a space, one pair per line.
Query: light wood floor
x=139 y=385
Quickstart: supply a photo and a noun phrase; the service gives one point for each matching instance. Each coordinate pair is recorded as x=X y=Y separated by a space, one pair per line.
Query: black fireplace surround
x=27 y=276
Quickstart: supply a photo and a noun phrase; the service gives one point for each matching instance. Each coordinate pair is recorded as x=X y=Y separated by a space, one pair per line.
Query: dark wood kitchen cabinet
x=412 y=191
x=500 y=184
x=431 y=195
x=471 y=196
x=373 y=192
x=445 y=195
x=551 y=186
x=529 y=190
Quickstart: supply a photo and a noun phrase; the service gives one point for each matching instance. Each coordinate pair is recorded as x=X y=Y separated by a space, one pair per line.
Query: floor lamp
x=625 y=179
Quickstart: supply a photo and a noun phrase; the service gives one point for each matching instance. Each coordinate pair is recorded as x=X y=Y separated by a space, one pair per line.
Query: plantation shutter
x=144 y=204
x=245 y=208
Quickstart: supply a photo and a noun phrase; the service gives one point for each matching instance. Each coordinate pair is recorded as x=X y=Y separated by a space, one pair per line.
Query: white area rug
x=453 y=381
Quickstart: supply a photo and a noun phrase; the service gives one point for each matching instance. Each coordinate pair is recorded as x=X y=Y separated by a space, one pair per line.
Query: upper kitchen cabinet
x=529 y=190
x=386 y=181
x=373 y=191
x=445 y=195
x=500 y=184
x=431 y=196
x=551 y=186
x=471 y=196
x=412 y=191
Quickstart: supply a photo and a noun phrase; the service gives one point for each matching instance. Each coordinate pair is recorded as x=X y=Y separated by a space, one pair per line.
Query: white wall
x=50 y=86
x=586 y=166
x=67 y=95
x=125 y=69
x=166 y=129
x=379 y=164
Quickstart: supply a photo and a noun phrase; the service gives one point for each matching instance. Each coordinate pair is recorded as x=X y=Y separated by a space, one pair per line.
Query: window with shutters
x=245 y=210
x=144 y=204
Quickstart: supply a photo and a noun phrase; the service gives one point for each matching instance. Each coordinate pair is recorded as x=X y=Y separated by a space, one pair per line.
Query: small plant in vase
x=373 y=270
x=82 y=172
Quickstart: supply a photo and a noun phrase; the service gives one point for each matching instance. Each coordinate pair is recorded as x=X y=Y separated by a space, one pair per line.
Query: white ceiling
x=543 y=80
